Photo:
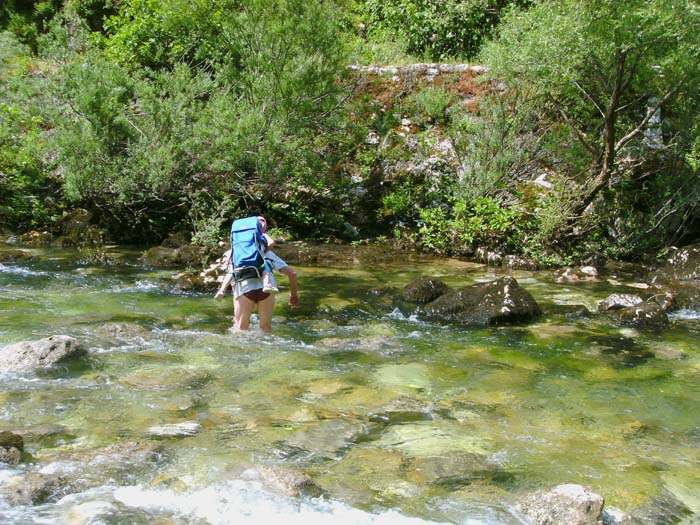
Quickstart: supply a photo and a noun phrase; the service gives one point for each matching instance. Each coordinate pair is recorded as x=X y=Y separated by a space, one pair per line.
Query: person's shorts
x=257 y=295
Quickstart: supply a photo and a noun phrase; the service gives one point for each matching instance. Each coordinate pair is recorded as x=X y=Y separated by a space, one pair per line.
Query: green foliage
x=434 y=233
x=156 y=34
x=431 y=105
x=622 y=57
x=29 y=196
x=480 y=222
x=191 y=146
x=437 y=29
x=28 y=19
x=496 y=147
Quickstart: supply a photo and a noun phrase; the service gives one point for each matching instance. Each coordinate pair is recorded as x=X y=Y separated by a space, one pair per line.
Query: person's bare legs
x=266 y=307
x=242 y=310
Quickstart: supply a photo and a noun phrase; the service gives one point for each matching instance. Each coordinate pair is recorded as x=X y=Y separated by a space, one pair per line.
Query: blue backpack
x=247 y=245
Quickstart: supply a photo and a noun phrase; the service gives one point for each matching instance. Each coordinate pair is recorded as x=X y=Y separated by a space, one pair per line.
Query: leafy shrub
x=29 y=195
x=437 y=29
x=431 y=105
x=481 y=222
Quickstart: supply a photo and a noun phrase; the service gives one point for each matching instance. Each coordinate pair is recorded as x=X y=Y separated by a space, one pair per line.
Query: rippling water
x=397 y=419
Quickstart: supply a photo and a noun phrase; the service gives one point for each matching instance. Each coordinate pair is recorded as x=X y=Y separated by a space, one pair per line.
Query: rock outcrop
x=495 y=302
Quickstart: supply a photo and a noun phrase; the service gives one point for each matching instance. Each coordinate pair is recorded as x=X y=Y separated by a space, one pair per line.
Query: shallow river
x=398 y=420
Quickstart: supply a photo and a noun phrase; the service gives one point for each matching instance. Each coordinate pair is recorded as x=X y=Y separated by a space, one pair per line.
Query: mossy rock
x=14 y=256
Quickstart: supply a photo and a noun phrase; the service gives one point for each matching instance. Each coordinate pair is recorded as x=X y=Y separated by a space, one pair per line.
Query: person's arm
x=293 y=288
x=227 y=277
x=224 y=286
x=269 y=241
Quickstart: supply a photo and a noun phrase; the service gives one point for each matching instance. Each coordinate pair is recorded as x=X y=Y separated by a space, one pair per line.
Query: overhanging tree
x=605 y=68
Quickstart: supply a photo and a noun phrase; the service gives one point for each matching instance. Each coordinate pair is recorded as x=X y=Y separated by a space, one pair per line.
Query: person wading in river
x=248 y=292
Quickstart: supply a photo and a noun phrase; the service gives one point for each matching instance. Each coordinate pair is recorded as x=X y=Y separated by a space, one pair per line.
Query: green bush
x=198 y=132
x=431 y=105
x=436 y=29
x=30 y=196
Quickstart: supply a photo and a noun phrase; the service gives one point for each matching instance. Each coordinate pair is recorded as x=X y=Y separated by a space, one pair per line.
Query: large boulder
x=424 y=290
x=36 y=238
x=565 y=504
x=78 y=229
x=495 y=302
x=11 y=440
x=47 y=352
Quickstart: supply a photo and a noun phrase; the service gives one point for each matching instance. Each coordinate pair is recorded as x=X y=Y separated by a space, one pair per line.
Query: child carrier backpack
x=247 y=245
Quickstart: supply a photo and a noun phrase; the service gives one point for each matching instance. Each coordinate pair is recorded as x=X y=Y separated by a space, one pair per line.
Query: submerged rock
x=29 y=355
x=11 y=447
x=327 y=439
x=33 y=488
x=565 y=504
x=495 y=302
x=289 y=482
x=456 y=469
x=123 y=330
x=615 y=516
x=576 y=275
x=80 y=471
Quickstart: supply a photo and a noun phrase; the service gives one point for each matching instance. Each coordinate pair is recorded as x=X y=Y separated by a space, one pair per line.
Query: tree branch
x=579 y=135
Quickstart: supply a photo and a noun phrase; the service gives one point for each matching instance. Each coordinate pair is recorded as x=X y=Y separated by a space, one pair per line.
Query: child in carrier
x=268 y=279
x=269 y=284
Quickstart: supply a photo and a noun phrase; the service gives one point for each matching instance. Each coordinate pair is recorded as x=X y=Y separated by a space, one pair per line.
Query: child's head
x=263 y=223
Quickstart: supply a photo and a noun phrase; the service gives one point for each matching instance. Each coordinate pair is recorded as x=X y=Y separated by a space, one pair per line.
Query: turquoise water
x=397 y=419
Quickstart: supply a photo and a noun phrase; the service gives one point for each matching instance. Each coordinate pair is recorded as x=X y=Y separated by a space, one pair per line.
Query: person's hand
x=293 y=300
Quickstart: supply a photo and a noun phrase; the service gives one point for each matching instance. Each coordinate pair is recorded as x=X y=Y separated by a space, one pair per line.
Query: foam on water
x=685 y=315
x=397 y=315
x=244 y=502
x=139 y=286
x=20 y=270
x=236 y=501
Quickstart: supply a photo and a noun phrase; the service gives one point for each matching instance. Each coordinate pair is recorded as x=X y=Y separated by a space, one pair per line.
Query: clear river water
x=397 y=419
